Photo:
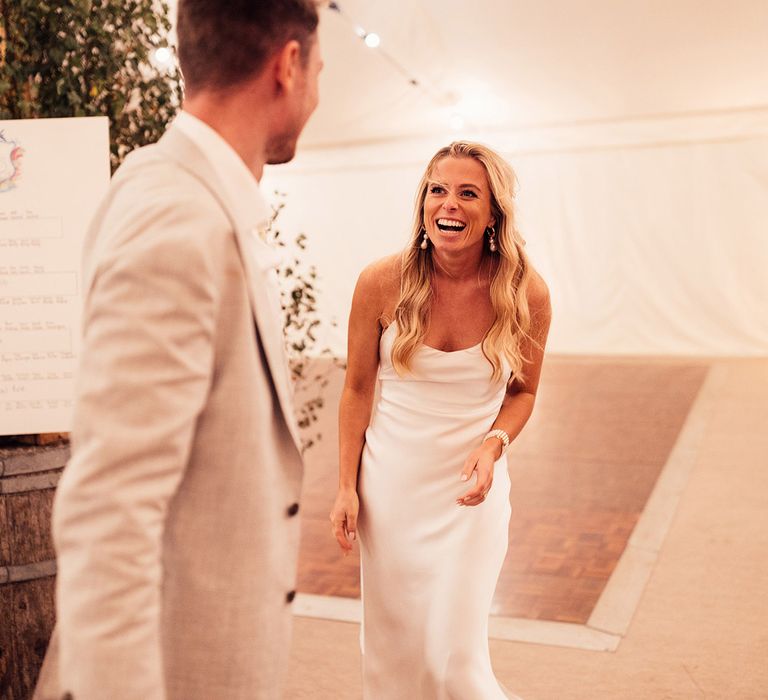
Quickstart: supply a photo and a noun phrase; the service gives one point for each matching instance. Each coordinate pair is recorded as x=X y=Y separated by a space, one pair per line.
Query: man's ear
x=286 y=65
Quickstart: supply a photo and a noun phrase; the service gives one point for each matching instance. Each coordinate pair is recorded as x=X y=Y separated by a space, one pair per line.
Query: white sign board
x=53 y=175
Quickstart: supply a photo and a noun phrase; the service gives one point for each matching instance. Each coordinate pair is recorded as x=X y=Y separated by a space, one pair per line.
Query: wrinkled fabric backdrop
x=652 y=233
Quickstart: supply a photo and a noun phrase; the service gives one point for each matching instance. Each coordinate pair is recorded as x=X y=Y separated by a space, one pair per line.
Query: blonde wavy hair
x=509 y=280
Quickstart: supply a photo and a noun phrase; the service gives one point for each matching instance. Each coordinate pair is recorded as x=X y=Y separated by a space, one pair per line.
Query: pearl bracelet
x=502 y=435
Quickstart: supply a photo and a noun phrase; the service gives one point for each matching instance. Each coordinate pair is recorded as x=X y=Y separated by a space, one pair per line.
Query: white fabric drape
x=652 y=234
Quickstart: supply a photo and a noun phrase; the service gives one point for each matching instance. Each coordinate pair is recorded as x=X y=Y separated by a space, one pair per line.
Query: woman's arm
x=357 y=397
x=518 y=402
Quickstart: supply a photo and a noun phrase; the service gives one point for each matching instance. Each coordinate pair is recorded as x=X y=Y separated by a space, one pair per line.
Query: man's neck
x=240 y=125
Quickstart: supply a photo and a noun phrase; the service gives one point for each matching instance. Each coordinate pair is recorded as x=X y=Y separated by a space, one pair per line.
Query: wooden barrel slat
x=26 y=460
x=23 y=643
x=33 y=482
x=27 y=572
x=28 y=527
x=5 y=539
x=28 y=477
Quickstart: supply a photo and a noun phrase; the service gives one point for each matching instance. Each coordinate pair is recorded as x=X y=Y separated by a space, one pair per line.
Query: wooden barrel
x=28 y=478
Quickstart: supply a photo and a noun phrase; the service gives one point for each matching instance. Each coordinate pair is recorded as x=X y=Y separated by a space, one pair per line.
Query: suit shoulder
x=147 y=171
x=157 y=215
x=153 y=196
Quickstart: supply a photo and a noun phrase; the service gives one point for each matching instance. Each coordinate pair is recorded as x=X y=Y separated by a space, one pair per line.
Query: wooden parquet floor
x=581 y=473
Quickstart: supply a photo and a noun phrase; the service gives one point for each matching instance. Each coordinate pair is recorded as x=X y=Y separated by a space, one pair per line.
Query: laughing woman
x=454 y=330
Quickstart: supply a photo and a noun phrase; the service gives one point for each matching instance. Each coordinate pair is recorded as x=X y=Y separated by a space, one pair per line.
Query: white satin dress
x=429 y=566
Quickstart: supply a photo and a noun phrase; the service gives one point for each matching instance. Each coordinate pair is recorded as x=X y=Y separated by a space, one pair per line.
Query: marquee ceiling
x=532 y=62
x=507 y=64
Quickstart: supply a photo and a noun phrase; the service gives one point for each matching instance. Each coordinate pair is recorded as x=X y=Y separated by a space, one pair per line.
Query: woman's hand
x=344 y=519
x=480 y=460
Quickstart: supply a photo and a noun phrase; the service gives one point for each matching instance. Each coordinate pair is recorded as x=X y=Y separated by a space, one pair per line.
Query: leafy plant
x=78 y=58
x=81 y=58
x=301 y=321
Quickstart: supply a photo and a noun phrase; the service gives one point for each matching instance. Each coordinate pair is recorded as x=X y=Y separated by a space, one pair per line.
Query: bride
x=454 y=330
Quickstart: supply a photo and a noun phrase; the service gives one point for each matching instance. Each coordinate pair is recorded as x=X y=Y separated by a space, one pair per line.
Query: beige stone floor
x=700 y=627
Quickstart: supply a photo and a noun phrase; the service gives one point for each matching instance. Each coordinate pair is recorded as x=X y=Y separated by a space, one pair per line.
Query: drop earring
x=492 y=239
x=424 y=240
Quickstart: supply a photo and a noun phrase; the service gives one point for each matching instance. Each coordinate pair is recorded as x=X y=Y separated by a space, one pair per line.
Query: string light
x=456 y=120
x=162 y=57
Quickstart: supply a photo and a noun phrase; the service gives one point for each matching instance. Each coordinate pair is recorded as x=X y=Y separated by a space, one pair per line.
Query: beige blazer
x=175 y=521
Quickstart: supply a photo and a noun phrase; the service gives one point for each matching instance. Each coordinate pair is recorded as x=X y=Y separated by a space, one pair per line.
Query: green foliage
x=80 y=58
x=301 y=321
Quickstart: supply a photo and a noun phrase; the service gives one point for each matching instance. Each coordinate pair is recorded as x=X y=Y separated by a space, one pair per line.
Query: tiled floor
x=581 y=472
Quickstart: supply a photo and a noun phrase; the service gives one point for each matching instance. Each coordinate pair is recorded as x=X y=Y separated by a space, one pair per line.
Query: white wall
x=652 y=234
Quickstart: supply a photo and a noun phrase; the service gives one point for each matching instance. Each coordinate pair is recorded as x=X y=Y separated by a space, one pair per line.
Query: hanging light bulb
x=162 y=56
x=373 y=41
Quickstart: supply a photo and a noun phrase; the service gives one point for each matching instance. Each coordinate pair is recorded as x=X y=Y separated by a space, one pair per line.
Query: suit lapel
x=269 y=326
x=267 y=319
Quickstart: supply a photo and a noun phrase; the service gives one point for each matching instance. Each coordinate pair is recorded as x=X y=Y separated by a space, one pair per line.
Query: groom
x=175 y=521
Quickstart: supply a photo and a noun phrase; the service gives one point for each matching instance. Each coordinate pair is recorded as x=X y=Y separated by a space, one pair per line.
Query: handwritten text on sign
x=53 y=174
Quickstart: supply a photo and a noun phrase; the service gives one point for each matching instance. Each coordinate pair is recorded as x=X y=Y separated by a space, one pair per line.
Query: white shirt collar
x=238 y=182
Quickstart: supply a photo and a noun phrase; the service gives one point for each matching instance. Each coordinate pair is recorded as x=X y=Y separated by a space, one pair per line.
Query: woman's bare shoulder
x=382 y=276
x=385 y=270
x=379 y=283
x=538 y=291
